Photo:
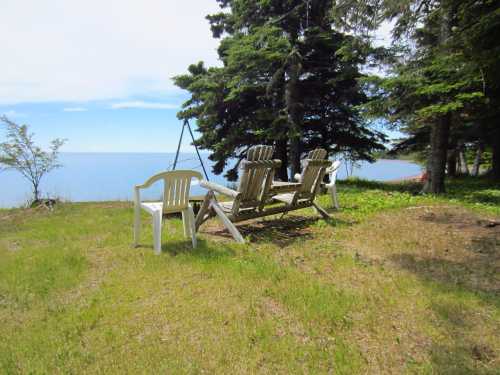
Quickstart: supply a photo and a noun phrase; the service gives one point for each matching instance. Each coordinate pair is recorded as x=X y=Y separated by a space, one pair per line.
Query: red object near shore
x=424 y=176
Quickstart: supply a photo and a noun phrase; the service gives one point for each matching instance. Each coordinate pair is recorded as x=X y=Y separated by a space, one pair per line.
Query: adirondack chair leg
x=157 y=231
x=192 y=229
x=321 y=211
x=200 y=218
x=227 y=223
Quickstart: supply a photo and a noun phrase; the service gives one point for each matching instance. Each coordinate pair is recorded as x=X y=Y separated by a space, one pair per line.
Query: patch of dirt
x=449 y=246
x=10 y=245
x=272 y=309
x=483 y=353
x=446 y=244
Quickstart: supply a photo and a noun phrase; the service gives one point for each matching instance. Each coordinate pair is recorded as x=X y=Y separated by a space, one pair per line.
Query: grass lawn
x=395 y=283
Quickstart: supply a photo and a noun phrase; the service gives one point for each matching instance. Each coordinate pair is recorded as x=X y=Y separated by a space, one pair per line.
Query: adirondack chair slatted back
x=317 y=154
x=313 y=172
x=176 y=189
x=252 y=177
x=257 y=174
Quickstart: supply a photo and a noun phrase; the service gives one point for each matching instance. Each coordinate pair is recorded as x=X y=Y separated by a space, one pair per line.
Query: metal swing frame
x=186 y=124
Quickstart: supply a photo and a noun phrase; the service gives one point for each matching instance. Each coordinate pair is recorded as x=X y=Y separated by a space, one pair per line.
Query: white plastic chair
x=331 y=186
x=175 y=199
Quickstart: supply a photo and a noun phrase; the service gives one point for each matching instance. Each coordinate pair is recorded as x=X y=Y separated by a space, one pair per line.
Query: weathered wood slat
x=255 y=190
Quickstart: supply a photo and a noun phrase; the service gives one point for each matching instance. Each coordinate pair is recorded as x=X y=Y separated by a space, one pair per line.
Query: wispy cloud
x=75 y=109
x=143 y=105
x=12 y=113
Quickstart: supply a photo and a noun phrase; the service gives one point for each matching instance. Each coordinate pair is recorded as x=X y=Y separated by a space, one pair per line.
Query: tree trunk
x=282 y=154
x=294 y=110
x=36 y=193
x=452 y=163
x=464 y=168
x=437 y=160
x=495 y=171
x=440 y=129
x=477 y=160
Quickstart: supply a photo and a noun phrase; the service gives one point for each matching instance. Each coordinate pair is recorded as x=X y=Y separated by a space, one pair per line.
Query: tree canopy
x=288 y=78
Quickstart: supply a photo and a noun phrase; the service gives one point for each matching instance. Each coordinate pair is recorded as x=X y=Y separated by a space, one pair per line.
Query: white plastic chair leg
x=185 y=223
x=157 y=231
x=137 y=226
x=192 y=226
x=333 y=192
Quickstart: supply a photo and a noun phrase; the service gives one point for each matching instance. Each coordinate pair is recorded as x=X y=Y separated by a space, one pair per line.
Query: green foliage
x=21 y=153
x=443 y=74
x=288 y=79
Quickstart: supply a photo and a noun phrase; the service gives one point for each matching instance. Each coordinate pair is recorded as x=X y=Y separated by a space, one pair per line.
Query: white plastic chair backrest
x=176 y=188
x=332 y=171
x=256 y=169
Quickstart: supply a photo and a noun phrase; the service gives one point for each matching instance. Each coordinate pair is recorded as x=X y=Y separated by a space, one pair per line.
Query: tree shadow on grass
x=464 y=351
x=477 y=276
x=281 y=231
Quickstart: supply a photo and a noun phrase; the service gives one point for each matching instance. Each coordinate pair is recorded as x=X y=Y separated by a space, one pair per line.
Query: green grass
x=396 y=283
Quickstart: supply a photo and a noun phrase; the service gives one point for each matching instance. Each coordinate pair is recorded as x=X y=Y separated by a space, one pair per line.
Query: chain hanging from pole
x=184 y=125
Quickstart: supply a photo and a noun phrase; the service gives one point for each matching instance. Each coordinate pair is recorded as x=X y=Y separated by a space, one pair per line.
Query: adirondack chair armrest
x=220 y=189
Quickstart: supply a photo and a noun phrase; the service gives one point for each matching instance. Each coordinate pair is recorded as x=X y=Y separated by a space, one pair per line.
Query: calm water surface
x=111 y=176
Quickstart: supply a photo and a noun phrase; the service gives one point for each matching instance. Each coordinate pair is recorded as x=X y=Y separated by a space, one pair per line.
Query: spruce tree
x=288 y=78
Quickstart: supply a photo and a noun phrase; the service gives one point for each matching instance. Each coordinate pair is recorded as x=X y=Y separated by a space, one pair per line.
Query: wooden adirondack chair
x=249 y=199
x=303 y=194
x=316 y=154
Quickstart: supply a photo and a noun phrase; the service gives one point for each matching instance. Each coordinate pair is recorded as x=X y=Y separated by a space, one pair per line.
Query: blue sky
x=135 y=124
x=98 y=73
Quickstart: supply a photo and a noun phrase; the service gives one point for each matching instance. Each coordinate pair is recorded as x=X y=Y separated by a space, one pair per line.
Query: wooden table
x=279 y=187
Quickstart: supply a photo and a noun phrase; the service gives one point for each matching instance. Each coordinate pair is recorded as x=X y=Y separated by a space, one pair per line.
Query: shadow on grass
x=477 y=275
x=279 y=231
x=454 y=283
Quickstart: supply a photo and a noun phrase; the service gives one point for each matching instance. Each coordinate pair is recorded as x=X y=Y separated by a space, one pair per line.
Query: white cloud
x=84 y=50
x=75 y=109
x=12 y=113
x=143 y=105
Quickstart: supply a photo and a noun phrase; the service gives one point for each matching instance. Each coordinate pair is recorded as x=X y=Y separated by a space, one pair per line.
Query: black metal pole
x=196 y=148
x=179 y=146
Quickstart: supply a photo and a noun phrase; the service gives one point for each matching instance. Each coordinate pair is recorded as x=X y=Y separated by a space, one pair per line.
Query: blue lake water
x=111 y=176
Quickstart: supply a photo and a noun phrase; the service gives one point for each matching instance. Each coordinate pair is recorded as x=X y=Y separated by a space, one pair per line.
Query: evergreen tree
x=446 y=83
x=288 y=79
